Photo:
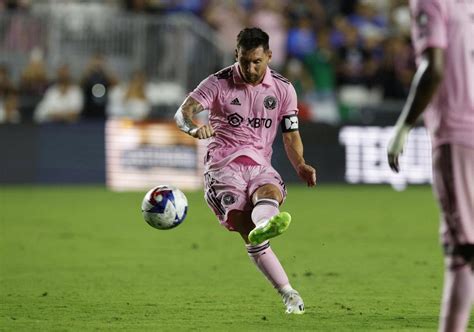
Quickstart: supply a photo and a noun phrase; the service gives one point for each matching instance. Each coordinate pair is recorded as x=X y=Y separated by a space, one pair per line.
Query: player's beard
x=252 y=78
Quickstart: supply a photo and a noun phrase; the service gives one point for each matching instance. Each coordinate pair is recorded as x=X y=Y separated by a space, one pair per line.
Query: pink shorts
x=453 y=182
x=231 y=188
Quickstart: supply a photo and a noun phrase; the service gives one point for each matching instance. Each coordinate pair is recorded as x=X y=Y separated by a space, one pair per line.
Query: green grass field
x=82 y=258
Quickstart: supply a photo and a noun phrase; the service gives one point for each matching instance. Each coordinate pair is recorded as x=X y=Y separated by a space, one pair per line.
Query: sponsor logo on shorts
x=228 y=199
x=270 y=102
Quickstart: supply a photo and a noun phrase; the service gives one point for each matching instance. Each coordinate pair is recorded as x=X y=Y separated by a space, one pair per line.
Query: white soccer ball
x=164 y=207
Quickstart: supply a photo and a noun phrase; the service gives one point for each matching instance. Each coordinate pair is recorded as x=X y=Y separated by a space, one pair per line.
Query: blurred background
x=88 y=89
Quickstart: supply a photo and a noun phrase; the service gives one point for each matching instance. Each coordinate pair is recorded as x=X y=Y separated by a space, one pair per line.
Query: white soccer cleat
x=293 y=302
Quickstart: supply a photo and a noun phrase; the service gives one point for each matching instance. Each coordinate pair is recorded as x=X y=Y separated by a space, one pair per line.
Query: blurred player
x=247 y=102
x=443 y=37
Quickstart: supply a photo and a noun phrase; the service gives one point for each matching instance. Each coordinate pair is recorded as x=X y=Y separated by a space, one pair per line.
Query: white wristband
x=192 y=131
x=183 y=125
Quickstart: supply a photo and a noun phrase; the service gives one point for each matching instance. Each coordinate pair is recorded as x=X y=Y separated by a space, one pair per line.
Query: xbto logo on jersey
x=236 y=120
x=259 y=122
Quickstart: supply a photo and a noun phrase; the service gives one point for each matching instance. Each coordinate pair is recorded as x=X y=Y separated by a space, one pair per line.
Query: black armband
x=289 y=123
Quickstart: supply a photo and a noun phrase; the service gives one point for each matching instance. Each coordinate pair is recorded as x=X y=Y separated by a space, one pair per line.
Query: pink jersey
x=245 y=118
x=448 y=24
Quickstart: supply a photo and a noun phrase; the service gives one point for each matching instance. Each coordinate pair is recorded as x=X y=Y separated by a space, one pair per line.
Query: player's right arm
x=424 y=85
x=184 y=119
x=429 y=35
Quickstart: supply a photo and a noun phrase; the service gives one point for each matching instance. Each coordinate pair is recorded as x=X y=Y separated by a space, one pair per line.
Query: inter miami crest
x=228 y=199
x=270 y=102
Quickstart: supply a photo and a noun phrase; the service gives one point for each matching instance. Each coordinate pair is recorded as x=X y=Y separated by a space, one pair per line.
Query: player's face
x=253 y=63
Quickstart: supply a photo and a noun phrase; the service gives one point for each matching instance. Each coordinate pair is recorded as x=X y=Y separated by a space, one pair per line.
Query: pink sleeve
x=290 y=103
x=429 y=28
x=206 y=92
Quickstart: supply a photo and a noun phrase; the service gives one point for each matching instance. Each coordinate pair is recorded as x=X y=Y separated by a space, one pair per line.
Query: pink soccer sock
x=264 y=209
x=458 y=296
x=267 y=262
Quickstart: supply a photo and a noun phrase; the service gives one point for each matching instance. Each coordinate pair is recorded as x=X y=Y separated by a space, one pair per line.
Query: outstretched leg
x=267 y=262
x=266 y=201
x=261 y=254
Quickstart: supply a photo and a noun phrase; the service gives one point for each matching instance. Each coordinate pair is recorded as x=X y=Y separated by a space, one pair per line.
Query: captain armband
x=289 y=123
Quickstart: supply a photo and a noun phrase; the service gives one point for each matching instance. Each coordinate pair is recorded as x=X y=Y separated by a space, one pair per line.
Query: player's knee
x=461 y=255
x=269 y=191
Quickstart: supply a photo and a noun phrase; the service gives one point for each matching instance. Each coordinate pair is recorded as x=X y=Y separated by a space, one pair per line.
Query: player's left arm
x=424 y=85
x=292 y=139
x=294 y=151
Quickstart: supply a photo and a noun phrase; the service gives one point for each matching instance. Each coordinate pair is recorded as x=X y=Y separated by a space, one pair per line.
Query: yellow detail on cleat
x=277 y=225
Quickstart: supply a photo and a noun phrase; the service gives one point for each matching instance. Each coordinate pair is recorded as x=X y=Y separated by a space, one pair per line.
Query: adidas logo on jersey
x=236 y=102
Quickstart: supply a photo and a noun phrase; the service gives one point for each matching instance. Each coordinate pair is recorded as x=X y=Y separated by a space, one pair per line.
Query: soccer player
x=247 y=102
x=443 y=37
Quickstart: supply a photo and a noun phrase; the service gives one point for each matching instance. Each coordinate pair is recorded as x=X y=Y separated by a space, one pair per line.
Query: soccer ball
x=164 y=207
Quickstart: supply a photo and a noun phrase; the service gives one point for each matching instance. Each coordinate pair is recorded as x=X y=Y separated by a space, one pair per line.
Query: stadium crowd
x=338 y=54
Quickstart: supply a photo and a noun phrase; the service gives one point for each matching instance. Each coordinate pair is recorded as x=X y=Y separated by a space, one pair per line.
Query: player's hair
x=250 y=38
